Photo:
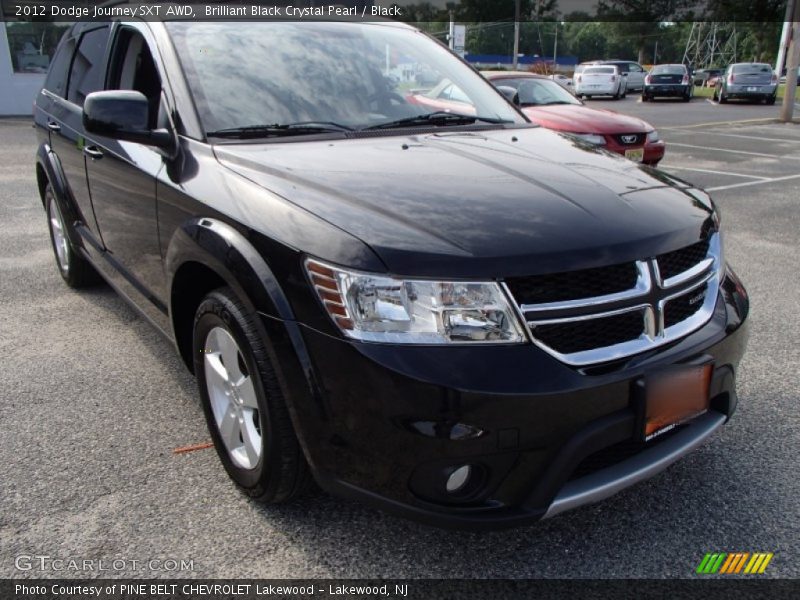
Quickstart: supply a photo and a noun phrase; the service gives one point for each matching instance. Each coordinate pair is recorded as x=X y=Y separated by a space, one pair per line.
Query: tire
x=75 y=270
x=771 y=100
x=715 y=96
x=723 y=99
x=645 y=98
x=687 y=98
x=242 y=397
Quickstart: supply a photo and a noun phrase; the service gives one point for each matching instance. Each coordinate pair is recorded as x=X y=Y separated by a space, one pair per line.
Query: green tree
x=638 y=22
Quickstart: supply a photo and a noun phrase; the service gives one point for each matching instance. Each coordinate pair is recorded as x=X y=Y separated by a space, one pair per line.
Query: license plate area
x=674 y=396
x=752 y=89
x=635 y=154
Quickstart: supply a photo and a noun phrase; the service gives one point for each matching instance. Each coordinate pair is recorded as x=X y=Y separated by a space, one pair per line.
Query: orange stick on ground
x=193 y=447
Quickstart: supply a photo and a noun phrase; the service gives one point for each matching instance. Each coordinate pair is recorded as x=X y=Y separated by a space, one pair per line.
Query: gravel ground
x=94 y=400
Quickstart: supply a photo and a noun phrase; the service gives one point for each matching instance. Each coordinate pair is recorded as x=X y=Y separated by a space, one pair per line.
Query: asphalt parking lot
x=94 y=401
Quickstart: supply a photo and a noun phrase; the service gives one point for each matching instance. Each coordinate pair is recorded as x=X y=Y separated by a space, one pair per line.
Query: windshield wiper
x=556 y=102
x=436 y=118
x=278 y=129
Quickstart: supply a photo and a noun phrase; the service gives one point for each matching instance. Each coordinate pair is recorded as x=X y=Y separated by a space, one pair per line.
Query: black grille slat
x=678 y=261
x=681 y=308
x=578 y=336
x=573 y=285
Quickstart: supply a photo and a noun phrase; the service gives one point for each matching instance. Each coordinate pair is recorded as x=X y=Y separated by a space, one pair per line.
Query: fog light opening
x=457 y=480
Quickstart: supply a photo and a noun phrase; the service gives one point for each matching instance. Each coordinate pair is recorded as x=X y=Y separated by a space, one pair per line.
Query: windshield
x=668 y=70
x=537 y=92
x=325 y=74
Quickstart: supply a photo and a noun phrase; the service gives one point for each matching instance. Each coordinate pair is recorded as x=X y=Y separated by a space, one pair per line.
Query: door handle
x=53 y=126
x=93 y=152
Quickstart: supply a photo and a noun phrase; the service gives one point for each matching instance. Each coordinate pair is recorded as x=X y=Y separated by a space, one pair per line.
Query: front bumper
x=653 y=151
x=386 y=424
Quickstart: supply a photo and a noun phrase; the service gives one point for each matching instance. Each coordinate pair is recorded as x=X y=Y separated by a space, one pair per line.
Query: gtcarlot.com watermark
x=71 y=564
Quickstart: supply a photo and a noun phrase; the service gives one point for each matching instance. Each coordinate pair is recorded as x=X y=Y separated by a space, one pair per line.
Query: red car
x=551 y=106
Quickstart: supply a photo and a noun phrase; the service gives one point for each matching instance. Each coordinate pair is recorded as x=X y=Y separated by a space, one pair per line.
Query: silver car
x=600 y=80
x=750 y=81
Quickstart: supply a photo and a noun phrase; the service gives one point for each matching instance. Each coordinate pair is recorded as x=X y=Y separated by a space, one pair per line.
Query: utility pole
x=555 y=51
x=451 y=37
x=515 y=60
x=786 y=34
x=792 y=62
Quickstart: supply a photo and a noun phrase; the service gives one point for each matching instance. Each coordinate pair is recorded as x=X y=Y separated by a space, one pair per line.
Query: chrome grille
x=663 y=298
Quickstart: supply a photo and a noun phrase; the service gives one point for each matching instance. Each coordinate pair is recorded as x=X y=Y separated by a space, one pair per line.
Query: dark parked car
x=465 y=319
x=668 y=81
x=747 y=81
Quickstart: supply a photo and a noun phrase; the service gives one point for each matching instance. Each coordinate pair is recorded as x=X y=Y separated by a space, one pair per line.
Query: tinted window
x=133 y=68
x=604 y=70
x=88 y=66
x=635 y=68
x=668 y=70
x=56 y=80
x=754 y=68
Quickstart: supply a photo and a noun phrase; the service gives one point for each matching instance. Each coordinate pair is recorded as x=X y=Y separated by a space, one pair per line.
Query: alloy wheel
x=60 y=241
x=233 y=398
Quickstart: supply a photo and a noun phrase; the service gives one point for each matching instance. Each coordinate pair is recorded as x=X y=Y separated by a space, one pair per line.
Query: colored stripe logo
x=734 y=563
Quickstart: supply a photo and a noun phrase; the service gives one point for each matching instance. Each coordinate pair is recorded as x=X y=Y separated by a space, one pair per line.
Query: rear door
x=86 y=50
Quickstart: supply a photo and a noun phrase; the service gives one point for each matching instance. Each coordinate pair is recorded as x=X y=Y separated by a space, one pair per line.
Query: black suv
x=454 y=315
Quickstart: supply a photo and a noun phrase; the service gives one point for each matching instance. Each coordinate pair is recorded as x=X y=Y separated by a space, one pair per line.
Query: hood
x=576 y=118
x=479 y=204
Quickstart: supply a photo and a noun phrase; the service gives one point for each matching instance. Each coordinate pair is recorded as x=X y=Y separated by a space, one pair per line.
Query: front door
x=122 y=181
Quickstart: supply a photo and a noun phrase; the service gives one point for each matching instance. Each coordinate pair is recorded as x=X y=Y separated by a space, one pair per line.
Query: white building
x=25 y=53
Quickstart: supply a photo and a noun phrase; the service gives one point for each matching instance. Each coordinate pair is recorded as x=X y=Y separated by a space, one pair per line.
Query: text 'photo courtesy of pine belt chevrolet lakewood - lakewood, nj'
x=460 y=317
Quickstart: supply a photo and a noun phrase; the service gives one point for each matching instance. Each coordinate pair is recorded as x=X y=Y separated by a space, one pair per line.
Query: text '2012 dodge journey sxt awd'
x=462 y=318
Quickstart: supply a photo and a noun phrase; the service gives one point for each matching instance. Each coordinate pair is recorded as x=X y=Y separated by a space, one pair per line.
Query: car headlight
x=592 y=138
x=719 y=250
x=377 y=308
x=652 y=136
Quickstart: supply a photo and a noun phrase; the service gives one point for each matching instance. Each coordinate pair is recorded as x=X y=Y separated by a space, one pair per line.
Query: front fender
x=230 y=255
x=221 y=248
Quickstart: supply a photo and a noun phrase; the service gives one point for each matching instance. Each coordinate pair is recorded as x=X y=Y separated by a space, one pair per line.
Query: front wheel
x=243 y=402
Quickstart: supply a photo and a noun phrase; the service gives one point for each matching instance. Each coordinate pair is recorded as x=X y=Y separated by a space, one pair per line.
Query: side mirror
x=625 y=74
x=123 y=115
x=509 y=92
